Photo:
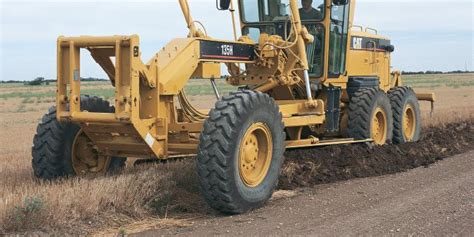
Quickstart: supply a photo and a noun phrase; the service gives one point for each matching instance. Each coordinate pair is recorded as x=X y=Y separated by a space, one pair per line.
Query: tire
x=405 y=106
x=364 y=105
x=219 y=153
x=52 y=143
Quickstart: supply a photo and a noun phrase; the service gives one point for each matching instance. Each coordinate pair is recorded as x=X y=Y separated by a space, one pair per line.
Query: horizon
x=441 y=41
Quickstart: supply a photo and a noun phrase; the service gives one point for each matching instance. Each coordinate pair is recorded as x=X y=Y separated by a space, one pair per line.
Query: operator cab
x=273 y=17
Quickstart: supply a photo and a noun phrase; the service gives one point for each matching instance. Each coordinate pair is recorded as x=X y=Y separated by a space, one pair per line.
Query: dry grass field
x=163 y=194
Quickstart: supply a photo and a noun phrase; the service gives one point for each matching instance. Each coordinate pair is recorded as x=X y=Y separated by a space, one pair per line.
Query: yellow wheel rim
x=255 y=154
x=409 y=123
x=85 y=156
x=379 y=127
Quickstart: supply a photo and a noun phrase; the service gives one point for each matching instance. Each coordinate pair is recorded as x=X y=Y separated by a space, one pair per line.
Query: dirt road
x=438 y=200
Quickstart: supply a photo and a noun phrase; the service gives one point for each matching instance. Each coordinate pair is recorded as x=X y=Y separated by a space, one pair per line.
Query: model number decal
x=227 y=50
x=214 y=50
x=357 y=43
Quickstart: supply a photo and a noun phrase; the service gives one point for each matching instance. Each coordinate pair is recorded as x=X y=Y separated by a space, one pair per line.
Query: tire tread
x=218 y=136
x=48 y=150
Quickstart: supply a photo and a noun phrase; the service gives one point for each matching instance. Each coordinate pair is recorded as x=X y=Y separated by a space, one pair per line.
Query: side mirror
x=390 y=48
x=223 y=5
x=340 y=2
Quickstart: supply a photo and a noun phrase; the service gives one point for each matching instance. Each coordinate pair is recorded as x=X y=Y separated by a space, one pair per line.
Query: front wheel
x=241 y=152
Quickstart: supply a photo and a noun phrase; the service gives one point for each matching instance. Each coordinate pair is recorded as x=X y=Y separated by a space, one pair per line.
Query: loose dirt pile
x=333 y=163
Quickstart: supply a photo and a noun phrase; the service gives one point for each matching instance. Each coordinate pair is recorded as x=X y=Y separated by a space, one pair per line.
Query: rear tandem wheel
x=370 y=116
x=406 y=115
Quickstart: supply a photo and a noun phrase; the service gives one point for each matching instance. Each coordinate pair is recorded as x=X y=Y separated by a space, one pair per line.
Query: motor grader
x=304 y=76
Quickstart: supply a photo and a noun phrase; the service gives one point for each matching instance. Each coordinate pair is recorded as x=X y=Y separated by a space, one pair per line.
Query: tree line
x=43 y=81
x=435 y=72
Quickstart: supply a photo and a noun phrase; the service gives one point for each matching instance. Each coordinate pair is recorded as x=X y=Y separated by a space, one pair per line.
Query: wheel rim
x=379 y=126
x=409 y=122
x=255 y=154
x=85 y=156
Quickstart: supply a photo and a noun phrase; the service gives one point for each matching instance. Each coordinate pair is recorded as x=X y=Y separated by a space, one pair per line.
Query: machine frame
x=145 y=122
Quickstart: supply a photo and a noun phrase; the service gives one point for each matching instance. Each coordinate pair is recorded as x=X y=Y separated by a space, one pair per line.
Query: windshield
x=257 y=11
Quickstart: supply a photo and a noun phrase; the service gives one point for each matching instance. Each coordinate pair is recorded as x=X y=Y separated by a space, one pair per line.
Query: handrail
x=371 y=29
x=359 y=27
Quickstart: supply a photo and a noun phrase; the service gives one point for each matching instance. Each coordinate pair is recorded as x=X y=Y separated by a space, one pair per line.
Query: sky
x=427 y=34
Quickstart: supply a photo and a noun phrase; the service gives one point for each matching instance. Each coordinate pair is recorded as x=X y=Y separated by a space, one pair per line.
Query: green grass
x=28 y=100
x=11 y=85
x=21 y=109
x=199 y=87
x=27 y=95
x=196 y=88
x=106 y=93
x=27 y=213
x=444 y=80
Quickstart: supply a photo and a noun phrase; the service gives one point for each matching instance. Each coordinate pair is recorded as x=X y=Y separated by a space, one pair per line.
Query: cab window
x=272 y=17
x=338 y=40
x=315 y=50
x=258 y=11
x=311 y=10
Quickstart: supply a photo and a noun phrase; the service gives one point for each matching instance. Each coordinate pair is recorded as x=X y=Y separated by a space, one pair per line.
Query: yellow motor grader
x=305 y=76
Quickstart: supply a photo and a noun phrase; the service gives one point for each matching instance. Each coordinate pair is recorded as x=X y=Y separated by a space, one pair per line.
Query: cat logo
x=357 y=43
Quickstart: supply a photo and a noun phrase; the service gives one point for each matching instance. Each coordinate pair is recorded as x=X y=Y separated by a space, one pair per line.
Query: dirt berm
x=333 y=163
